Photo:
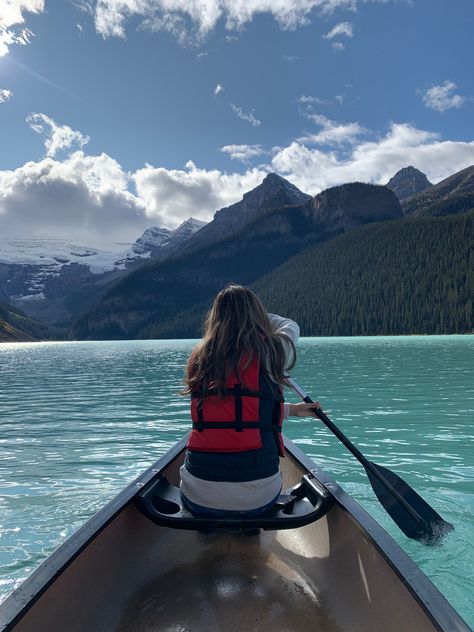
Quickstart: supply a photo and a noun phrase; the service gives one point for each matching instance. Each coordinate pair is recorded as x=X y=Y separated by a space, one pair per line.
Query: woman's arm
x=288 y=330
x=285 y=326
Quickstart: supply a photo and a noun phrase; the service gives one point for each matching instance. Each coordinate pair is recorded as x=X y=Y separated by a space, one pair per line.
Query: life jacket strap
x=200 y=421
x=236 y=391
x=229 y=425
x=239 y=423
x=276 y=424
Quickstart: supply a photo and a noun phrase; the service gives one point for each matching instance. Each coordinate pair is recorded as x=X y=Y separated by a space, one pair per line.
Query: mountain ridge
x=456 y=193
x=272 y=193
x=164 y=288
x=384 y=278
x=159 y=289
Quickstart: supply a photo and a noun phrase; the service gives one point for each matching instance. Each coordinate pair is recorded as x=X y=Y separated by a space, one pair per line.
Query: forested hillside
x=158 y=292
x=403 y=277
x=414 y=275
x=15 y=326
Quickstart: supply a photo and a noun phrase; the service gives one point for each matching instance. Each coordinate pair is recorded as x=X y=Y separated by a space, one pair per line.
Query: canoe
x=316 y=561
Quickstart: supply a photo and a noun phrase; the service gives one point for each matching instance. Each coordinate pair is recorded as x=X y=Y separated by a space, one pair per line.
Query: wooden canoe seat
x=300 y=505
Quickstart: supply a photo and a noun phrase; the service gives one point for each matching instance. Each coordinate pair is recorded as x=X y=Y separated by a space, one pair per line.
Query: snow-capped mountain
x=187 y=228
x=159 y=242
x=54 y=279
x=152 y=239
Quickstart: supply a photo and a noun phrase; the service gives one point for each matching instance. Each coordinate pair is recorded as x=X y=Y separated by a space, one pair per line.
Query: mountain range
x=157 y=292
x=56 y=280
x=163 y=283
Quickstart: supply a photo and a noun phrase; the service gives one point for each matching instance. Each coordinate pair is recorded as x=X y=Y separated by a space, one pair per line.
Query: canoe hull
x=121 y=572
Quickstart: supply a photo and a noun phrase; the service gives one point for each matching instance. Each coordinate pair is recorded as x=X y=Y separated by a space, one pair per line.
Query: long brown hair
x=236 y=330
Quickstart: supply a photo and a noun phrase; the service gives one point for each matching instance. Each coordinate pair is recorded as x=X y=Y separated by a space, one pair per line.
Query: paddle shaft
x=351 y=447
x=327 y=422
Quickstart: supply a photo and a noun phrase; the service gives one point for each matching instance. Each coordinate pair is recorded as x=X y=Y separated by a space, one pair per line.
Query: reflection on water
x=78 y=421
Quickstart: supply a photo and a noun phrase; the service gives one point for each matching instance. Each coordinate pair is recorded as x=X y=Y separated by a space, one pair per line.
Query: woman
x=235 y=378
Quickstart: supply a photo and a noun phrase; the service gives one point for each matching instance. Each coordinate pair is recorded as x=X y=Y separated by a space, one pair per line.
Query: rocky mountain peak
x=272 y=193
x=273 y=180
x=274 y=186
x=189 y=227
x=407 y=182
x=454 y=194
x=152 y=238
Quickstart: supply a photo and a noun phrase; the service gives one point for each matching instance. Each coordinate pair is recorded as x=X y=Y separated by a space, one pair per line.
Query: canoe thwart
x=299 y=505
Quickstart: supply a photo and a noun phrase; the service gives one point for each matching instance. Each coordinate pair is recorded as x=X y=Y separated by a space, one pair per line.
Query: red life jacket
x=231 y=423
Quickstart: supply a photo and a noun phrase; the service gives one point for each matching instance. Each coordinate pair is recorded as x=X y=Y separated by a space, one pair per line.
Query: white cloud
x=338 y=46
x=5 y=95
x=244 y=153
x=331 y=132
x=58 y=137
x=174 y=24
x=92 y=199
x=88 y=198
x=289 y=58
x=202 y=55
x=84 y=5
x=82 y=197
x=218 y=89
x=250 y=118
x=441 y=97
x=191 y=21
x=171 y=196
x=12 y=20
x=312 y=169
x=343 y=28
x=308 y=100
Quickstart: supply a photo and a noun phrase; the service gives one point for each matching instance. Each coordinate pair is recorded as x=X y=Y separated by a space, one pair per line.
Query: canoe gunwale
x=24 y=597
x=436 y=607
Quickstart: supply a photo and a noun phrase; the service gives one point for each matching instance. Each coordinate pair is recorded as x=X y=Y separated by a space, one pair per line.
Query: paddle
x=408 y=510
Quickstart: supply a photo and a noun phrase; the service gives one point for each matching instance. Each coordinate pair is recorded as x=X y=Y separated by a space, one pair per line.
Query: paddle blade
x=407 y=509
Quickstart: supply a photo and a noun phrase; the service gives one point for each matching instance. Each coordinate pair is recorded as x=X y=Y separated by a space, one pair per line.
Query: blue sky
x=119 y=114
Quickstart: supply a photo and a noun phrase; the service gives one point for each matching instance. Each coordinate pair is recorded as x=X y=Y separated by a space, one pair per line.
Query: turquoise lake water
x=80 y=420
